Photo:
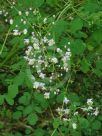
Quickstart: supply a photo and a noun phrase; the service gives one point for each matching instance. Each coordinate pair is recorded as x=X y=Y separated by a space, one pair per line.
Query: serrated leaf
x=78 y=47
x=32 y=119
x=56 y=123
x=84 y=123
x=17 y=115
x=28 y=110
x=25 y=99
x=96 y=125
x=76 y=25
x=59 y=27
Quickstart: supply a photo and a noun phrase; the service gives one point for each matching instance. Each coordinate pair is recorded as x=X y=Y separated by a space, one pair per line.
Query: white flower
x=30 y=8
x=66 y=101
x=37 y=85
x=76 y=113
x=59 y=110
x=19 y=13
x=28 y=51
x=65 y=119
x=54 y=60
x=24 y=22
x=89 y=102
x=41 y=75
x=59 y=50
x=0 y=12
x=66 y=111
x=96 y=112
x=32 y=77
x=25 y=31
x=45 y=39
x=46 y=95
x=36 y=46
x=26 y=41
x=74 y=125
x=54 y=16
x=27 y=13
x=51 y=42
x=16 y=32
x=11 y=21
x=45 y=20
x=31 y=61
x=68 y=43
x=89 y=108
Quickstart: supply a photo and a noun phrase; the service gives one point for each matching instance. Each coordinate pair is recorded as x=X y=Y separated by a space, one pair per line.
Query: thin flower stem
x=4 y=42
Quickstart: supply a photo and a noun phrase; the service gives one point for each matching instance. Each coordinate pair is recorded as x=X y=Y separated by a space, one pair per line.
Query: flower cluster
x=66 y=113
x=49 y=63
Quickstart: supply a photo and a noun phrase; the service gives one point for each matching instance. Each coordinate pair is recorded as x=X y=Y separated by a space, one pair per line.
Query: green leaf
x=19 y=79
x=9 y=100
x=56 y=122
x=18 y=134
x=17 y=115
x=1 y=99
x=12 y=91
x=73 y=97
x=98 y=72
x=40 y=99
x=76 y=25
x=25 y=99
x=96 y=125
x=52 y=2
x=97 y=36
x=34 y=3
x=59 y=27
x=28 y=110
x=84 y=123
x=28 y=80
x=85 y=66
x=32 y=119
x=39 y=132
x=78 y=47
x=60 y=97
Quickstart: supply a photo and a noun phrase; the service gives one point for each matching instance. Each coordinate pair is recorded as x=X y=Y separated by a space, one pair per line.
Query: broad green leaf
x=76 y=25
x=96 y=125
x=19 y=79
x=25 y=99
x=78 y=47
x=85 y=66
x=9 y=100
x=58 y=28
x=12 y=91
x=39 y=132
x=17 y=115
x=34 y=3
x=56 y=122
x=84 y=123
x=97 y=35
x=32 y=119
x=28 y=110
